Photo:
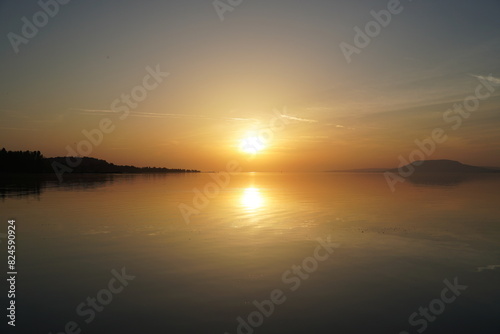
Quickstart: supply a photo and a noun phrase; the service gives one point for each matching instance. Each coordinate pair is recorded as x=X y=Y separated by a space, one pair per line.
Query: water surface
x=393 y=252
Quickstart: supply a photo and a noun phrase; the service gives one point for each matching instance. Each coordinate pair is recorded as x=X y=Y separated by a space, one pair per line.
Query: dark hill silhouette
x=35 y=162
x=443 y=166
x=436 y=172
x=429 y=166
x=93 y=165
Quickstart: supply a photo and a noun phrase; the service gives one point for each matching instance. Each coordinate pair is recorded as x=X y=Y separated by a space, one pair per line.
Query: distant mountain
x=35 y=162
x=489 y=167
x=429 y=166
x=443 y=166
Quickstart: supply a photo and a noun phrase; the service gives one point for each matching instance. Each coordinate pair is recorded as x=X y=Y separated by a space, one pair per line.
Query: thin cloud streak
x=293 y=118
x=23 y=129
x=491 y=79
x=159 y=115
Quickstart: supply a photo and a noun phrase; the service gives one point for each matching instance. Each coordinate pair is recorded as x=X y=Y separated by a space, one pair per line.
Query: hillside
x=35 y=162
x=428 y=166
x=443 y=166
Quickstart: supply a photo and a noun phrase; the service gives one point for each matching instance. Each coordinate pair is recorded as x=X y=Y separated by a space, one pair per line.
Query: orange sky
x=182 y=89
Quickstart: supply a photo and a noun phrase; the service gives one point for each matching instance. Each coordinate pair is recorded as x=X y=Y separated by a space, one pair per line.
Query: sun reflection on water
x=252 y=198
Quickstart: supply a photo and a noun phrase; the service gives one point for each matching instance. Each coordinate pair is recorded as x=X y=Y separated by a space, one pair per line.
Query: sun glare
x=252 y=198
x=252 y=145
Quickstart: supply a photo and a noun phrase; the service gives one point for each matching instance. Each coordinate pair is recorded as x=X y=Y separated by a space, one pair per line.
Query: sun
x=252 y=145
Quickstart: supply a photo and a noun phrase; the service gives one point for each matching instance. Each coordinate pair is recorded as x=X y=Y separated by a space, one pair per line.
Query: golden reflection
x=252 y=198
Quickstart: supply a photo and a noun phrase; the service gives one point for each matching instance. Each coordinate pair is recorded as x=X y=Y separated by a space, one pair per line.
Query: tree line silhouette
x=23 y=162
x=35 y=162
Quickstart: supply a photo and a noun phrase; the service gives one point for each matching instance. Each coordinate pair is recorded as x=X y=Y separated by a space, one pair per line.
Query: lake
x=262 y=253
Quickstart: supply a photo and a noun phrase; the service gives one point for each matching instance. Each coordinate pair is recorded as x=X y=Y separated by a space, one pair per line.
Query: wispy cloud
x=490 y=267
x=16 y=114
x=491 y=79
x=23 y=129
x=293 y=118
x=159 y=115
x=339 y=126
x=319 y=109
x=312 y=139
x=93 y=111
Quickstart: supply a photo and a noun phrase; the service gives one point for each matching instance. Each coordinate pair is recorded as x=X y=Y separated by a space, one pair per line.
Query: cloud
x=24 y=129
x=489 y=267
x=15 y=114
x=93 y=111
x=159 y=115
x=319 y=109
x=491 y=79
x=293 y=118
x=339 y=126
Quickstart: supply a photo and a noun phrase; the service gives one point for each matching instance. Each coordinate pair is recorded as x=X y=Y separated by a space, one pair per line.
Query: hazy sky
x=225 y=78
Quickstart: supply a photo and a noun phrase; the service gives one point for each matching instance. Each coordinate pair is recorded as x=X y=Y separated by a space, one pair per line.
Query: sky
x=274 y=85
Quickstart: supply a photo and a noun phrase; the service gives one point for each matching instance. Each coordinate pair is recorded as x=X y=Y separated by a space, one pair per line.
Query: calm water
x=392 y=253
